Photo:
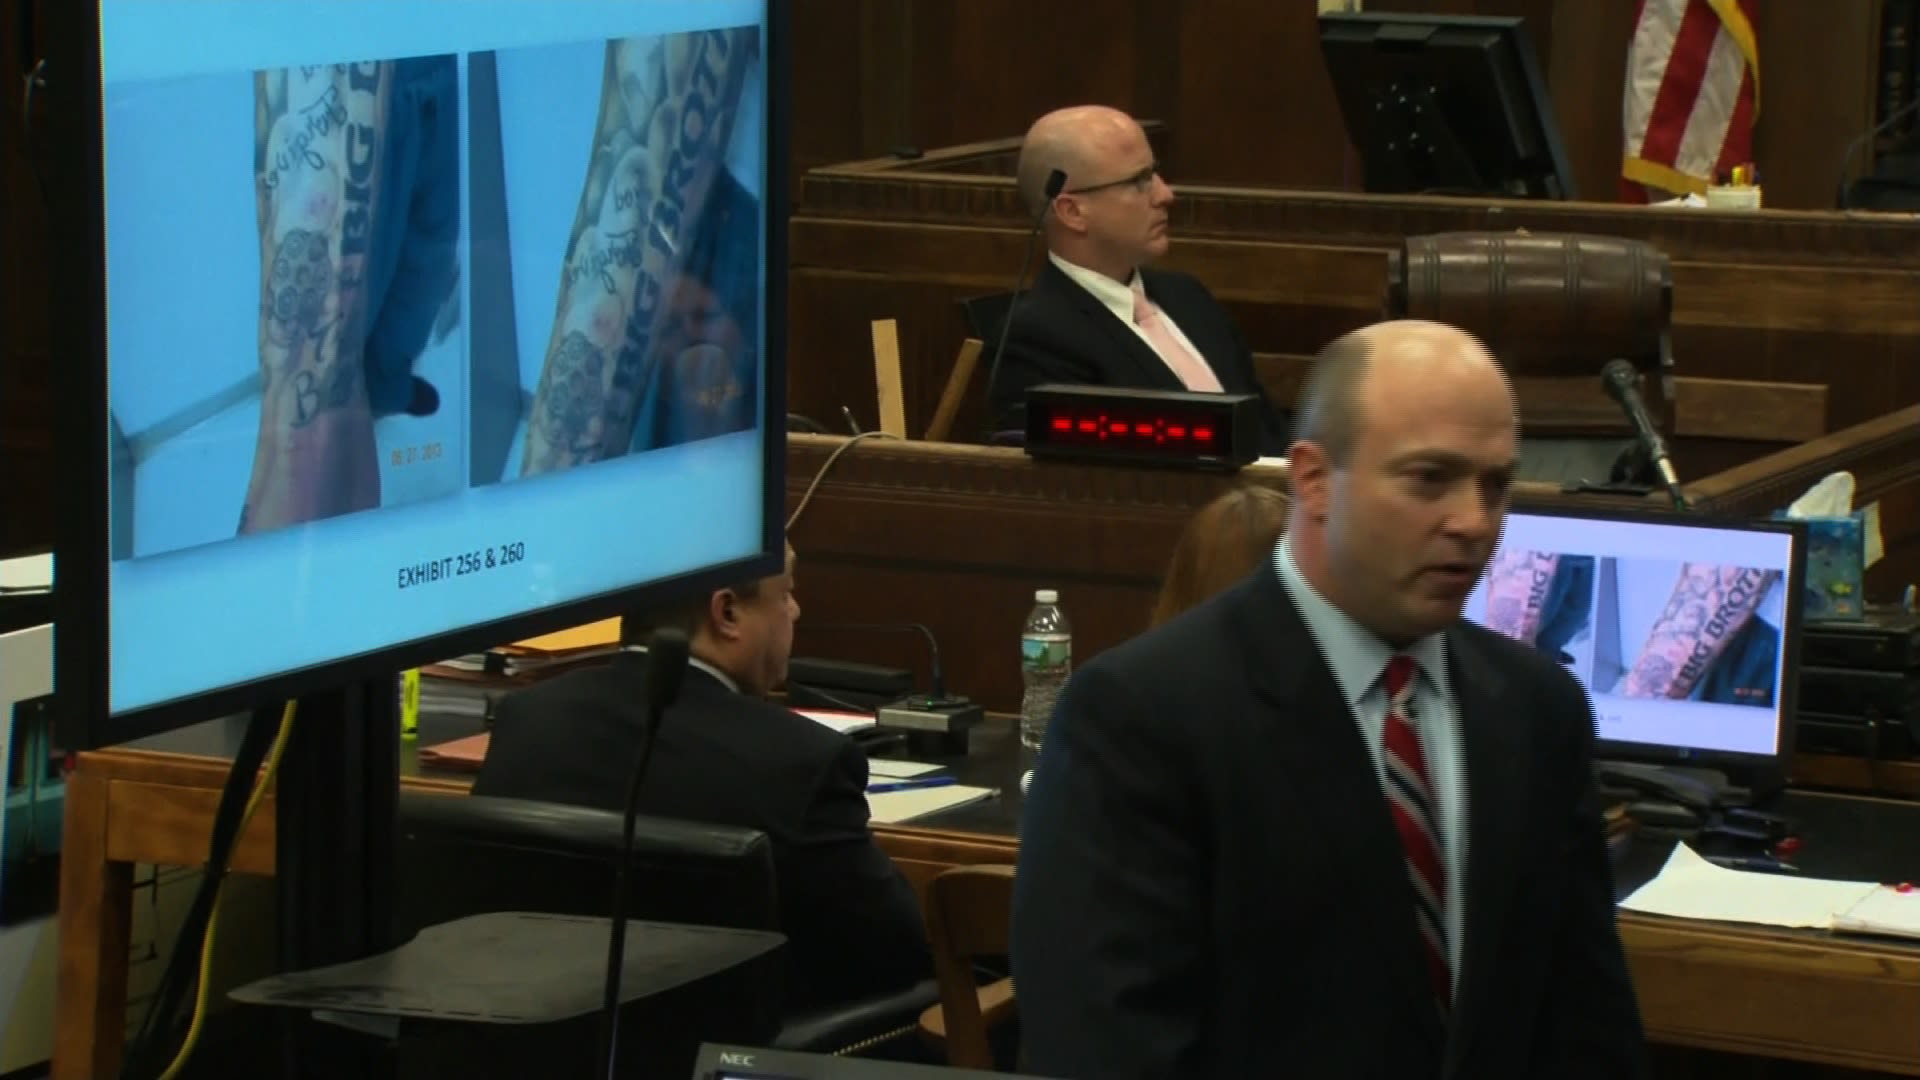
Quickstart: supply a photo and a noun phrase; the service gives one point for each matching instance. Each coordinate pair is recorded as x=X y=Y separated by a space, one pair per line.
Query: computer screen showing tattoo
x=1678 y=630
x=419 y=313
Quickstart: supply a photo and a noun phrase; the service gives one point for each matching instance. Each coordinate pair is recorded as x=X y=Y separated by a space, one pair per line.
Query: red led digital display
x=1144 y=427
x=1095 y=425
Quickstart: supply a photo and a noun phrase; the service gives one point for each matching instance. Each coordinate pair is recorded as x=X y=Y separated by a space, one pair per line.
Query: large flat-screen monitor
x=1445 y=105
x=404 y=327
x=1685 y=631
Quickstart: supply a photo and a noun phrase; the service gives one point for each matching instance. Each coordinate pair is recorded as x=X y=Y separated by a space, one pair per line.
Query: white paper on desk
x=893 y=807
x=27 y=574
x=1690 y=887
x=846 y=723
x=1882 y=911
x=890 y=769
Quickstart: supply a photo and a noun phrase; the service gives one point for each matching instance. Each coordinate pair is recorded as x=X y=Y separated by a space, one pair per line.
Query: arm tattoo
x=666 y=113
x=317 y=128
x=1517 y=587
x=570 y=423
x=317 y=189
x=1709 y=605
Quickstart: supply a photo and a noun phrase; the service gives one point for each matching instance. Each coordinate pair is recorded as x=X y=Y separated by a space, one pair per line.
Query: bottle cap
x=1045 y=596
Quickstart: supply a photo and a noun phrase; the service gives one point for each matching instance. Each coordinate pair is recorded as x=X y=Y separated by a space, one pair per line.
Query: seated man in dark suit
x=728 y=757
x=1095 y=315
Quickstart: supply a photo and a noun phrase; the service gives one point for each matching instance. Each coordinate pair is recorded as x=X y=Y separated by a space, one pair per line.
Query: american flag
x=1693 y=91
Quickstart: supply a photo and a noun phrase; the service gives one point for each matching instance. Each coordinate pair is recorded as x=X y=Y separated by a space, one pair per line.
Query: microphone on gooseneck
x=936 y=675
x=1622 y=383
x=666 y=669
x=1854 y=147
x=1056 y=182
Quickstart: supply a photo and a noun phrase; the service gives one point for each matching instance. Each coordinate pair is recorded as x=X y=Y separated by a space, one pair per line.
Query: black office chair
x=985 y=316
x=466 y=856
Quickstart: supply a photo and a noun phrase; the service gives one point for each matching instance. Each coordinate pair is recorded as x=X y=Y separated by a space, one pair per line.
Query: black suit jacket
x=1063 y=333
x=852 y=922
x=1210 y=883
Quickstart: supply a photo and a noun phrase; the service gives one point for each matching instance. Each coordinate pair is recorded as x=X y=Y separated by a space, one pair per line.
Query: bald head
x=1385 y=373
x=1401 y=475
x=1072 y=140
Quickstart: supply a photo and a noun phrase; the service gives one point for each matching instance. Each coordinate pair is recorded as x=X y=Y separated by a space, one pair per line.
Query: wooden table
x=1773 y=993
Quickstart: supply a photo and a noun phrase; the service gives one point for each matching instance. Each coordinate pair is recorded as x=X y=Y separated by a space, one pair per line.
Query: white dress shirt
x=726 y=680
x=1118 y=298
x=1359 y=661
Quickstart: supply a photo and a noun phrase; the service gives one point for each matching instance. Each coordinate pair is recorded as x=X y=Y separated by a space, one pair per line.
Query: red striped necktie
x=1416 y=818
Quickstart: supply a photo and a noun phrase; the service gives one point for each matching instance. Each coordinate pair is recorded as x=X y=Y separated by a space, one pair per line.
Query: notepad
x=846 y=723
x=889 y=769
x=1886 y=911
x=893 y=807
x=1690 y=887
x=31 y=573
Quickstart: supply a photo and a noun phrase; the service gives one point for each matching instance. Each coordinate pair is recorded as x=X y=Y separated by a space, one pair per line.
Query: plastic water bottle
x=1046 y=659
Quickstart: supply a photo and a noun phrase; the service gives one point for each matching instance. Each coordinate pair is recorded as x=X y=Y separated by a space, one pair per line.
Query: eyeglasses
x=1141 y=181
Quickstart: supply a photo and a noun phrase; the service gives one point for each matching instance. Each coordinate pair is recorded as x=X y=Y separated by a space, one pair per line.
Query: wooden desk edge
x=169 y=799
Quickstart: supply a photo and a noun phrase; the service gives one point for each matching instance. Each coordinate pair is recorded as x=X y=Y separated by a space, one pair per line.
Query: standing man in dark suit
x=728 y=757
x=1321 y=825
x=1095 y=314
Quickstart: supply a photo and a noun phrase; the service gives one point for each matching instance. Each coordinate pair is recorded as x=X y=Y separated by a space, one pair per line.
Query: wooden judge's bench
x=1785 y=325
x=1794 y=337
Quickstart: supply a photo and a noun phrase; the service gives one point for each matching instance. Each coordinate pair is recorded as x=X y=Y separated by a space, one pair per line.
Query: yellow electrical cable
x=213 y=918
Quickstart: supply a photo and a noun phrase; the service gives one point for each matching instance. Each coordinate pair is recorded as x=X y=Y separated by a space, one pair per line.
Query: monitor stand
x=336 y=800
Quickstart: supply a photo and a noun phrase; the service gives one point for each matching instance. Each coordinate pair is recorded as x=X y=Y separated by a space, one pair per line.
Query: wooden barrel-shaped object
x=1544 y=303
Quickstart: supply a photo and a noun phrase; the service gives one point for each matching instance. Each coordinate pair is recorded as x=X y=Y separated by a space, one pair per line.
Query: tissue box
x=1836 y=558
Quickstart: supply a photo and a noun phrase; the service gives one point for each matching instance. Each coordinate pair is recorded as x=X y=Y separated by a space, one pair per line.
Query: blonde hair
x=1223 y=543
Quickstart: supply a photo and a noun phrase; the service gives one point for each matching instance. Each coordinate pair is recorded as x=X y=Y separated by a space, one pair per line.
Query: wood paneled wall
x=1244 y=86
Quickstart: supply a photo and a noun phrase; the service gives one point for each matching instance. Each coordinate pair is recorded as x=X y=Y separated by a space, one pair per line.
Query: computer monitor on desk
x=1445 y=105
x=1684 y=630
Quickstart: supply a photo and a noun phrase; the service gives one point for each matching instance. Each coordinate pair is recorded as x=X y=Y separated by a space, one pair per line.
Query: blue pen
x=910 y=785
x=1762 y=863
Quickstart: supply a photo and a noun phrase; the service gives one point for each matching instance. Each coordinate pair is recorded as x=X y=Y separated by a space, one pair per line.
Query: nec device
x=718 y=1062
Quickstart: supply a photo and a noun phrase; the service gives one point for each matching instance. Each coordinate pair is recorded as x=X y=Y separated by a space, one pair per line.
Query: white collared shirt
x=1118 y=298
x=726 y=680
x=1358 y=660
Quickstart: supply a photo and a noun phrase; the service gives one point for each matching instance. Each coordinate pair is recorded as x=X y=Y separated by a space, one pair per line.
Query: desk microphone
x=937 y=723
x=1056 y=180
x=936 y=676
x=1622 y=383
x=1854 y=147
x=666 y=669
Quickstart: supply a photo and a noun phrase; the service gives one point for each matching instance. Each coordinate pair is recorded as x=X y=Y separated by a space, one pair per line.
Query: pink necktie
x=1410 y=797
x=1191 y=370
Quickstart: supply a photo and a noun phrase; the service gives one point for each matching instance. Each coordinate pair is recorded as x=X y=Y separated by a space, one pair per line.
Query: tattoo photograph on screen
x=358 y=264
x=1693 y=631
x=634 y=246
x=1544 y=599
x=321 y=207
